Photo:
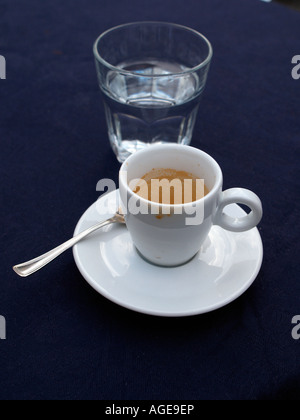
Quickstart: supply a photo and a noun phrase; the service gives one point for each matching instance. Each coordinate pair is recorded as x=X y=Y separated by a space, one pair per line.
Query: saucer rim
x=159 y=313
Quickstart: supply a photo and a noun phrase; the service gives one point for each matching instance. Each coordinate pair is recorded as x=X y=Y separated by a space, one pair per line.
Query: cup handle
x=240 y=224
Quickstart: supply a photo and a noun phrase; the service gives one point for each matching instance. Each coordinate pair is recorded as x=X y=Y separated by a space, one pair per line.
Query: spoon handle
x=32 y=266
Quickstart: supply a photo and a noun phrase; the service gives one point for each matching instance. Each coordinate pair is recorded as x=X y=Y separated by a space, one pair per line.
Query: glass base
x=132 y=146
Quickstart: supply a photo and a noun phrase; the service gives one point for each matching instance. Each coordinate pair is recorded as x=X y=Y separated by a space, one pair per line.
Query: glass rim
x=135 y=74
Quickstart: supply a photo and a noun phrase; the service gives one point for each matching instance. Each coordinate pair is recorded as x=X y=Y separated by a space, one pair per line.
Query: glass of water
x=152 y=76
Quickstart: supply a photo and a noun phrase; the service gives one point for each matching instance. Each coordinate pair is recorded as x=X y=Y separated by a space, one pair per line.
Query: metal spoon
x=30 y=267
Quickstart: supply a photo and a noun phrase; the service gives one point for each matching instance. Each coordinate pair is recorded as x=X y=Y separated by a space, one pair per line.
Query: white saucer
x=225 y=268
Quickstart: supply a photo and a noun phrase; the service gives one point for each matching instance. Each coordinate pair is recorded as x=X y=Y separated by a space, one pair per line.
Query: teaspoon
x=32 y=266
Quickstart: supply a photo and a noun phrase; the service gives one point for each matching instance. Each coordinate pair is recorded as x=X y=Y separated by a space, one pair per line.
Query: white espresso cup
x=171 y=235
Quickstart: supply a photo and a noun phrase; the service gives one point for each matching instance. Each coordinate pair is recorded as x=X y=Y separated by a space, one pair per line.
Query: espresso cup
x=171 y=235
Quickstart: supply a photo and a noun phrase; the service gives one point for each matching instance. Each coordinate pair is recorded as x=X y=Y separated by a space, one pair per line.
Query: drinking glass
x=152 y=76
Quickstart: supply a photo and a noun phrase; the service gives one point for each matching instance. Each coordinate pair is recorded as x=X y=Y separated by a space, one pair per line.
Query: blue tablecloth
x=64 y=341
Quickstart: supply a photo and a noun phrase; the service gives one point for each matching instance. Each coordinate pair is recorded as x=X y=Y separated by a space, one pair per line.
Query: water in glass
x=142 y=110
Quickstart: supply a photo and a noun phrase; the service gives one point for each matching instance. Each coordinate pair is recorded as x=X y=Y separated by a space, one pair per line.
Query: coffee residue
x=170 y=186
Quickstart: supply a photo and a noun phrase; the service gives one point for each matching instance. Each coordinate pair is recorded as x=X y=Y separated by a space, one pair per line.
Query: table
x=63 y=340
